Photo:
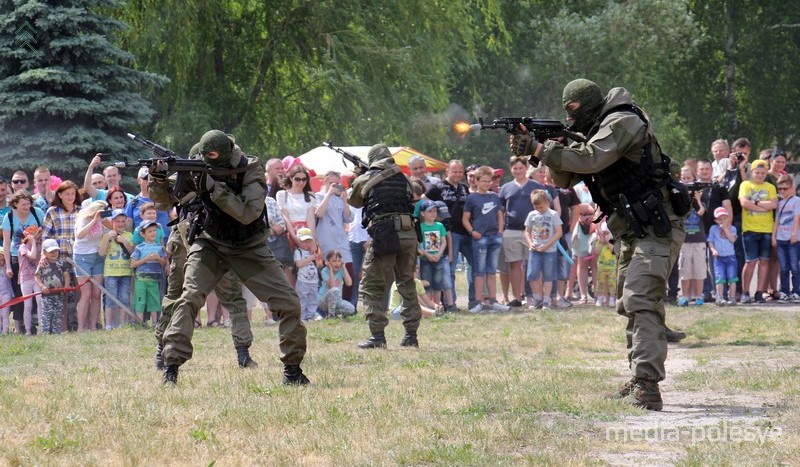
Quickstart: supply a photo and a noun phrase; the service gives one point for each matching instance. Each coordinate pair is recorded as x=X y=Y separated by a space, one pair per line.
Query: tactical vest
x=391 y=196
x=221 y=226
x=634 y=189
x=634 y=179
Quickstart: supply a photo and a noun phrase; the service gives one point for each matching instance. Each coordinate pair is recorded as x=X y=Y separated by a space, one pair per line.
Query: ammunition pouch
x=384 y=233
x=649 y=211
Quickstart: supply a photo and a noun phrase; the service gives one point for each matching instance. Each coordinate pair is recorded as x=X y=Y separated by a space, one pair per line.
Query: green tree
x=66 y=91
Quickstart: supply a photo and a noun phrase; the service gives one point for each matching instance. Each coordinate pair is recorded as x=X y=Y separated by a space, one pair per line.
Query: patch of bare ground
x=688 y=417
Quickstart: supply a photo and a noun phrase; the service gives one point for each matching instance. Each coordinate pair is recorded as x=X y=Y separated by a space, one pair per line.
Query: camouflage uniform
x=234 y=240
x=380 y=270
x=229 y=288
x=644 y=264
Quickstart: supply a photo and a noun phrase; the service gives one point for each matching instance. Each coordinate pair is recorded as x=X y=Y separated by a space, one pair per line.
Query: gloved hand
x=206 y=182
x=522 y=144
x=158 y=169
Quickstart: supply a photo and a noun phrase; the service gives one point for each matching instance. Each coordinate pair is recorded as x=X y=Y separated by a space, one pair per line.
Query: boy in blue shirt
x=720 y=241
x=148 y=259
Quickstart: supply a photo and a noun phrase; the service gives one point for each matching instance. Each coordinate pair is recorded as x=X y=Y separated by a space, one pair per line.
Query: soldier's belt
x=401 y=221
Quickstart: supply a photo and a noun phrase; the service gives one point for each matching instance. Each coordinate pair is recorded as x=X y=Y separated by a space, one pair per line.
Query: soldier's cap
x=719 y=212
x=472 y=167
x=304 y=233
x=428 y=205
x=118 y=212
x=144 y=172
x=145 y=224
x=50 y=245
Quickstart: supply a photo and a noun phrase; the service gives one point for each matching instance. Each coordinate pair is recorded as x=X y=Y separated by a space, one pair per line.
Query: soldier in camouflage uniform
x=385 y=194
x=229 y=289
x=622 y=164
x=233 y=239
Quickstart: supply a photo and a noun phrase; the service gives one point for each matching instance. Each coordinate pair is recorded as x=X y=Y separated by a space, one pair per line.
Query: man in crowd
x=19 y=181
x=720 y=150
x=385 y=195
x=97 y=186
x=454 y=193
x=621 y=163
x=274 y=169
x=233 y=239
x=418 y=169
x=711 y=199
x=44 y=195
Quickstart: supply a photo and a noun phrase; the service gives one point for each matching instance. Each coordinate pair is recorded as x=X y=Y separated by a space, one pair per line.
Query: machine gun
x=359 y=167
x=541 y=128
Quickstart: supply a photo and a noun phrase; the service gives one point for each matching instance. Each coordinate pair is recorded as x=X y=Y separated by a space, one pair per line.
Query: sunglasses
x=18 y=182
x=299 y=179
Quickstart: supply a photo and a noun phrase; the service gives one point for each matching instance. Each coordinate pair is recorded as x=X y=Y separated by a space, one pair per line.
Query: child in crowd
x=116 y=246
x=148 y=212
x=6 y=295
x=692 y=260
x=52 y=274
x=605 y=289
x=428 y=307
x=334 y=277
x=483 y=219
x=148 y=260
x=305 y=259
x=582 y=251
x=542 y=231
x=28 y=258
x=784 y=239
x=434 y=267
x=721 y=238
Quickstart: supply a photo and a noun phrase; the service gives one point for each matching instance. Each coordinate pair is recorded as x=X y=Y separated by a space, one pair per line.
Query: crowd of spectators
x=549 y=246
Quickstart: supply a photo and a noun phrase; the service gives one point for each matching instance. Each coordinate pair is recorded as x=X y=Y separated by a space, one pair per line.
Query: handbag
x=280 y=248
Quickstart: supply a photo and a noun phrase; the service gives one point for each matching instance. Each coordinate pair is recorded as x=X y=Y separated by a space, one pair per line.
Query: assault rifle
x=359 y=167
x=541 y=128
x=174 y=163
x=698 y=186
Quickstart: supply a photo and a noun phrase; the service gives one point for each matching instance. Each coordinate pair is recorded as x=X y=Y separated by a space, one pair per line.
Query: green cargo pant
x=643 y=269
x=255 y=266
x=229 y=292
x=378 y=273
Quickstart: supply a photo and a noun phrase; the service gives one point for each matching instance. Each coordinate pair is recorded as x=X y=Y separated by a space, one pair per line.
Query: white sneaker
x=546 y=305
x=270 y=322
x=499 y=307
x=612 y=302
x=600 y=301
x=562 y=303
x=477 y=308
x=795 y=298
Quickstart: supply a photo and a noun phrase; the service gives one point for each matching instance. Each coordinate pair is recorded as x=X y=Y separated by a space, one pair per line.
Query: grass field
x=517 y=388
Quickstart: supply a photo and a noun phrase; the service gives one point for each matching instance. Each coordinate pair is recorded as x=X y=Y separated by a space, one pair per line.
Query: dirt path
x=659 y=438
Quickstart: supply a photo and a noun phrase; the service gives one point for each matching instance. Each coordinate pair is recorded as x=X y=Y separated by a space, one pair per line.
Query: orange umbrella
x=402 y=154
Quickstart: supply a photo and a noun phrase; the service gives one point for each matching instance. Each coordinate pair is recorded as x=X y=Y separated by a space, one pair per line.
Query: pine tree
x=66 y=91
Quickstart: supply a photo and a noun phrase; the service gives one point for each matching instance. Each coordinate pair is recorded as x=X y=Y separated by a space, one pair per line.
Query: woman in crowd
x=297 y=206
x=22 y=215
x=333 y=214
x=89 y=232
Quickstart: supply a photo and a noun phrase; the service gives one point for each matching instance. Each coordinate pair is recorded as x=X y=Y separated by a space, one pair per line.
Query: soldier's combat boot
x=171 y=375
x=410 y=339
x=645 y=394
x=293 y=376
x=159 y=357
x=243 y=356
x=674 y=336
x=376 y=341
x=624 y=390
